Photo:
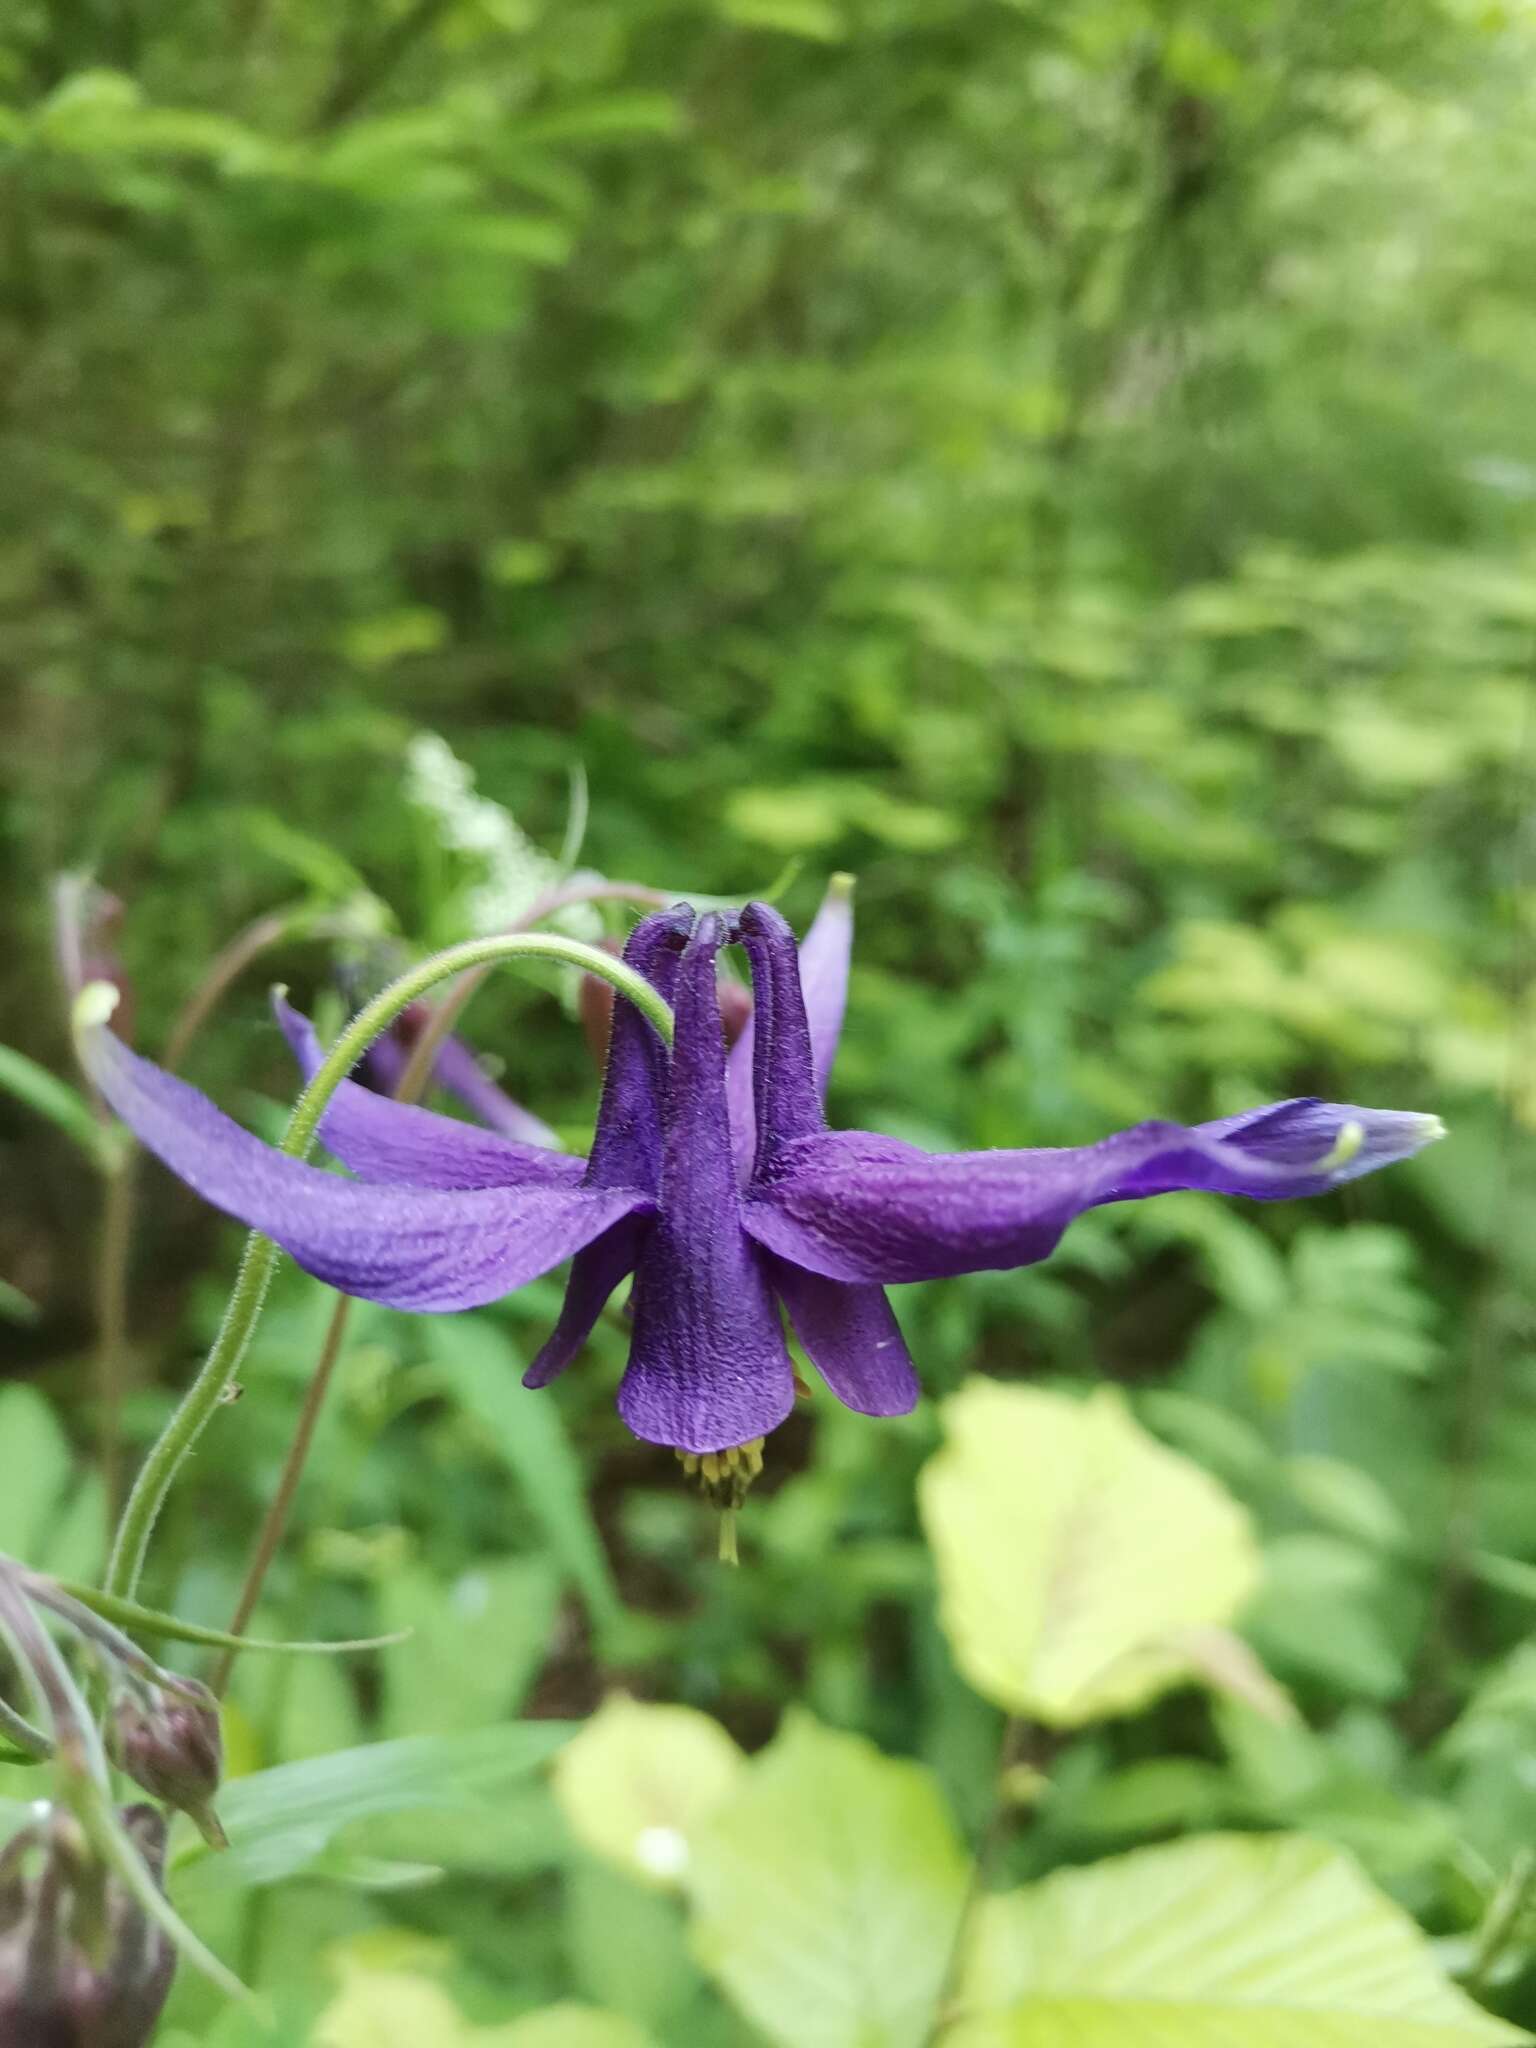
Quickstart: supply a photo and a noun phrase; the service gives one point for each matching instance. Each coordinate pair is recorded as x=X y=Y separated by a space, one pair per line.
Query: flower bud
x=80 y=1965
x=173 y=1747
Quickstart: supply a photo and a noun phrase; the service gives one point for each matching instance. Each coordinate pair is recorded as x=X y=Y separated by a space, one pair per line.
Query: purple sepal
x=455 y=1070
x=626 y=1145
x=823 y=970
x=860 y=1207
x=397 y=1142
x=407 y=1247
x=708 y=1368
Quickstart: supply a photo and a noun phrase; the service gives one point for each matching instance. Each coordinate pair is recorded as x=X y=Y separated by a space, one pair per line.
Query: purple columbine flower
x=717 y=1183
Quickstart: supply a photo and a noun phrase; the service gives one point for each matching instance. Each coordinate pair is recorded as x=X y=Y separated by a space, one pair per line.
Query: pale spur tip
x=1346 y=1146
x=94 y=1005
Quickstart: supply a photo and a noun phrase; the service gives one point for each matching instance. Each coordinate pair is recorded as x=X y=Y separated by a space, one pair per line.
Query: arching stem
x=207 y=1391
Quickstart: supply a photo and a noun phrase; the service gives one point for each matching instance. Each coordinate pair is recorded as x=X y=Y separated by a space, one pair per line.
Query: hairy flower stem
x=115 y=1242
x=412 y=1084
x=418 y=1068
x=259 y=1260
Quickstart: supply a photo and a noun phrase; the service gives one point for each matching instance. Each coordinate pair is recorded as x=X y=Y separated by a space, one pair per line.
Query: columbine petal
x=785 y=1096
x=851 y=1337
x=823 y=970
x=859 y=1207
x=408 y=1247
x=458 y=1073
x=382 y=1140
x=708 y=1368
x=626 y=1145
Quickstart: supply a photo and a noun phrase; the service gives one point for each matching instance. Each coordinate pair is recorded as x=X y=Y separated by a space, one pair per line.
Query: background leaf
x=483 y=1373
x=1072 y=1549
x=826 y=1892
x=639 y=1781
x=281 y=1820
x=1276 y=1943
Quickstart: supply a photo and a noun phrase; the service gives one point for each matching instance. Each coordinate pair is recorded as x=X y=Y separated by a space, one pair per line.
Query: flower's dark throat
x=725 y=1479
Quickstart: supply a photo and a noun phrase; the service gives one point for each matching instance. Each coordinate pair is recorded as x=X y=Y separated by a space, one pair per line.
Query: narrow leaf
x=483 y=1372
x=64 y=1107
x=150 y=1621
x=280 y=1821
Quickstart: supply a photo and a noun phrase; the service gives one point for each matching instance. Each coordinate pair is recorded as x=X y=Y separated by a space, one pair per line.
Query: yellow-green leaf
x=1227 y=1941
x=639 y=1780
x=570 y=2026
x=810 y=18
x=826 y=1893
x=378 y=2008
x=386 y=2008
x=1075 y=1552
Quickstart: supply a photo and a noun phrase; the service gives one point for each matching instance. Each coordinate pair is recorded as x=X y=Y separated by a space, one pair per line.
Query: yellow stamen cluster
x=724 y=1477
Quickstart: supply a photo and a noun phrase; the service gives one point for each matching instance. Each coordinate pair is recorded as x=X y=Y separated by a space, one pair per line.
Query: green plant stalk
x=84 y=1781
x=115 y=1243
x=114 y=1362
x=21 y=1734
x=207 y=1391
x=1507 y=1914
x=410 y=1088
x=1013 y=1751
x=417 y=1073
x=275 y=1521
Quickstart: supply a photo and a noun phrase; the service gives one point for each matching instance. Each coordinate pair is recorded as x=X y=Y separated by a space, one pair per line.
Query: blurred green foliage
x=1074 y=465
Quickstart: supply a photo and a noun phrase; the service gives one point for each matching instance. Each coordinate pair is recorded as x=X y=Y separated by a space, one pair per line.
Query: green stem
x=276 y=1519
x=113 y=1362
x=259 y=1260
x=418 y=1068
x=1013 y=1749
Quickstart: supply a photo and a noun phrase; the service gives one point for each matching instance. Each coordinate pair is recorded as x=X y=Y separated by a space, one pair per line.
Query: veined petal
x=859 y=1207
x=408 y=1247
x=381 y=1140
x=785 y=1097
x=460 y=1074
x=708 y=1367
x=627 y=1143
x=825 y=952
x=823 y=973
x=626 y=1147
x=852 y=1338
